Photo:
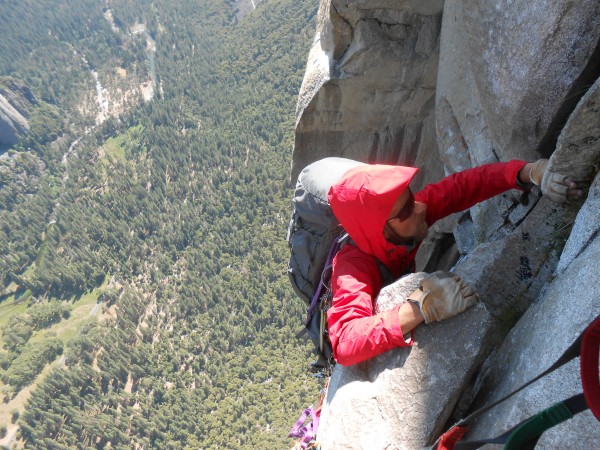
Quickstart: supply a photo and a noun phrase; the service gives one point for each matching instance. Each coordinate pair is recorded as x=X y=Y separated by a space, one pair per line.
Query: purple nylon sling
x=305 y=432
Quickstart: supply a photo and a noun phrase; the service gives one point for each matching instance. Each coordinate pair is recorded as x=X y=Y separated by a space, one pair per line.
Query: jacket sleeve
x=356 y=334
x=462 y=190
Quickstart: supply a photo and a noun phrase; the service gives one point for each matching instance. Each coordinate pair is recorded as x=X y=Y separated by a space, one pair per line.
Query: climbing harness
x=525 y=434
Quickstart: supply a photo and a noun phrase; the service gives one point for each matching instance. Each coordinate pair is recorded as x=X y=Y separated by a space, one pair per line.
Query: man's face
x=406 y=223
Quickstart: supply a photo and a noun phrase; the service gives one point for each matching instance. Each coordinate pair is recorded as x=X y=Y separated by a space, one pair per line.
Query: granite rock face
x=366 y=403
x=508 y=69
x=12 y=123
x=369 y=87
x=510 y=272
x=509 y=76
x=578 y=148
x=482 y=81
x=585 y=230
x=245 y=7
x=16 y=101
x=546 y=330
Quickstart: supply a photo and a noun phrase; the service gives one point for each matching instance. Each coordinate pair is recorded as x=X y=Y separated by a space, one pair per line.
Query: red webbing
x=449 y=439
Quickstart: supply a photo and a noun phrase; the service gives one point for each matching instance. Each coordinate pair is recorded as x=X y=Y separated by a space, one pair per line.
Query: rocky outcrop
x=507 y=69
x=366 y=404
x=578 y=147
x=245 y=7
x=16 y=104
x=369 y=88
x=570 y=303
x=509 y=76
x=511 y=81
x=12 y=124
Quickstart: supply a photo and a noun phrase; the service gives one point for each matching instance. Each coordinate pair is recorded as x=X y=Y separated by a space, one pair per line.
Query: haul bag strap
x=571 y=353
x=525 y=434
x=590 y=348
x=588 y=345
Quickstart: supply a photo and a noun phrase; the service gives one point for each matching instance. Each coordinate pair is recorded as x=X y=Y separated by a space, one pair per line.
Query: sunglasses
x=406 y=210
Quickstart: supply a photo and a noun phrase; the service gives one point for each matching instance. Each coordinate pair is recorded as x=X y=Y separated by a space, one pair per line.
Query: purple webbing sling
x=307 y=432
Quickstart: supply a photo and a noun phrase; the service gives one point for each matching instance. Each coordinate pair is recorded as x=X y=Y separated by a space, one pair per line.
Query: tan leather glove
x=443 y=295
x=555 y=186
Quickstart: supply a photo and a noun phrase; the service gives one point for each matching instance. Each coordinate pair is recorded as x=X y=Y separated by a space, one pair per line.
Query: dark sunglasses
x=406 y=210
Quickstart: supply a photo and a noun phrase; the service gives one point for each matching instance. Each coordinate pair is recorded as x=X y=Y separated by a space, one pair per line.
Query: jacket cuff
x=512 y=174
x=393 y=319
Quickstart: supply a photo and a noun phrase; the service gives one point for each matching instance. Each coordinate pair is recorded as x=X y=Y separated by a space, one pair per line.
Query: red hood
x=362 y=201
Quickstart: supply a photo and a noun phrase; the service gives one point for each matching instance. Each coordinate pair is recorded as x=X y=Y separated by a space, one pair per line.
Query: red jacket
x=362 y=201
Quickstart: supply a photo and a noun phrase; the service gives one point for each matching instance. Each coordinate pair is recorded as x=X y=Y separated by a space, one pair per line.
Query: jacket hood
x=362 y=201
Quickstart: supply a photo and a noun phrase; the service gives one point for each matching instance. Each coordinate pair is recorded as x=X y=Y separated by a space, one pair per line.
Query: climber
x=387 y=223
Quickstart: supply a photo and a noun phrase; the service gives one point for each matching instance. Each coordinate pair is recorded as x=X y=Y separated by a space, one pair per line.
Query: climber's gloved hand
x=443 y=295
x=555 y=186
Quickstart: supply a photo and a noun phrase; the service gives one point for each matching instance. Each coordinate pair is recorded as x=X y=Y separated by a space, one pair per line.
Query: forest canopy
x=169 y=217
